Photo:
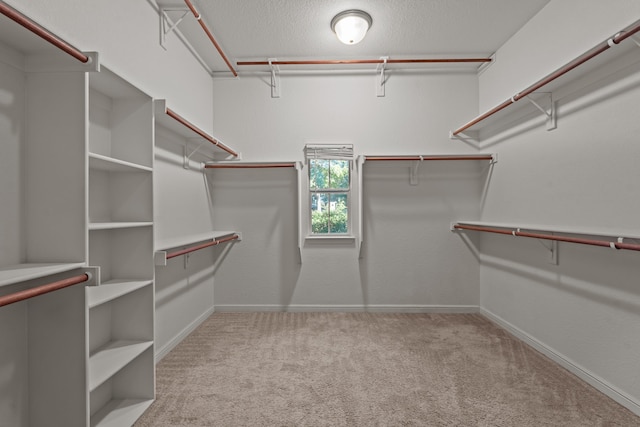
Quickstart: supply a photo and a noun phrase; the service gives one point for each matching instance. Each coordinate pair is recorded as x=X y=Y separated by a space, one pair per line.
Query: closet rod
x=41 y=32
x=597 y=50
x=451 y=157
x=39 y=290
x=200 y=132
x=250 y=166
x=201 y=246
x=210 y=35
x=365 y=61
x=517 y=232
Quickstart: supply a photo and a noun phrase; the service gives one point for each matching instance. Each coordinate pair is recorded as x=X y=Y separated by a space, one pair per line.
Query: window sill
x=337 y=239
x=330 y=238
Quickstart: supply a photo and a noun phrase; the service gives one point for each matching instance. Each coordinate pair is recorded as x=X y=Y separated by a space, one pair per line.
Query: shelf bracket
x=551 y=114
x=381 y=79
x=167 y=25
x=275 y=79
x=553 y=251
x=187 y=155
x=413 y=171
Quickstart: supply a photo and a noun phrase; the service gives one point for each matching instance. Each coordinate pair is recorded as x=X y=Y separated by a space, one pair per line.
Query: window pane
x=329 y=213
x=339 y=174
x=319 y=213
x=338 y=213
x=318 y=173
x=328 y=174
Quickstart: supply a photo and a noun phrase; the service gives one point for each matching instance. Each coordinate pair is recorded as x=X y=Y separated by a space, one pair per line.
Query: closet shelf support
x=381 y=82
x=551 y=114
x=161 y=257
x=275 y=78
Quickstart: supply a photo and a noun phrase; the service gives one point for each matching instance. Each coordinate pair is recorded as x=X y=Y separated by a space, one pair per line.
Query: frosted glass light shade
x=351 y=25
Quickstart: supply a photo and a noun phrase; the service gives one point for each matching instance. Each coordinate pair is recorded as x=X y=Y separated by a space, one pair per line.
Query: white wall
x=586 y=310
x=411 y=261
x=182 y=207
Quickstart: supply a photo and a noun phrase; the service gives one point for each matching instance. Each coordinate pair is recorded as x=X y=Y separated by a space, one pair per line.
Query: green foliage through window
x=329 y=182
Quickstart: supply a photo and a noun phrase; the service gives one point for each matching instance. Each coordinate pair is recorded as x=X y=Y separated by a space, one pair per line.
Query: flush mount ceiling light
x=351 y=25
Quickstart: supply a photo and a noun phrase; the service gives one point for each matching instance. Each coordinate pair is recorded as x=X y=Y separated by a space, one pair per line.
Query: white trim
x=162 y=352
x=582 y=373
x=373 y=308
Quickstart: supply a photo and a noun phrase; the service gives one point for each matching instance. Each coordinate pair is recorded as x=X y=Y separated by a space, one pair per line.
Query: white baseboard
x=560 y=359
x=374 y=308
x=162 y=352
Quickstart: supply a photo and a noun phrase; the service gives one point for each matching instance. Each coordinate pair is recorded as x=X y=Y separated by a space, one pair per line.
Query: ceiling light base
x=351 y=25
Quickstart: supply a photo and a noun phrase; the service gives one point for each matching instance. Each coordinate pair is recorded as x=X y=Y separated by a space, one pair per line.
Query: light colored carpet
x=364 y=369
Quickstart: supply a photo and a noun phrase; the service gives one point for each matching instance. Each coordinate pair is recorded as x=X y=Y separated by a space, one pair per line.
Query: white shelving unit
x=120 y=311
x=43 y=231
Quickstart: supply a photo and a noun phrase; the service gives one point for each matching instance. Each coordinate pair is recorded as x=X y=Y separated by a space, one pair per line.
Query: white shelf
x=113 y=289
x=22 y=272
x=120 y=412
x=109 y=359
x=600 y=231
x=523 y=108
x=105 y=163
x=174 y=242
x=115 y=225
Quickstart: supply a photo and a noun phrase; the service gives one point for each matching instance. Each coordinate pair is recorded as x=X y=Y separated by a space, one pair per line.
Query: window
x=330 y=180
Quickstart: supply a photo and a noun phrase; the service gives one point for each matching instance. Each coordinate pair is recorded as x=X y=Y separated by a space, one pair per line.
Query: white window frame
x=331 y=152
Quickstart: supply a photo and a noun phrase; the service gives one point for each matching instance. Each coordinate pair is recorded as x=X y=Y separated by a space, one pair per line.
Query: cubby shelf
x=112 y=357
x=112 y=289
x=120 y=412
x=105 y=163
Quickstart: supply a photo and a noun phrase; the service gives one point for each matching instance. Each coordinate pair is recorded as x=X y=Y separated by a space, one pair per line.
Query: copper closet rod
x=597 y=50
x=213 y=40
x=41 y=32
x=366 y=61
x=39 y=290
x=452 y=157
x=603 y=243
x=200 y=132
x=201 y=246
x=250 y=166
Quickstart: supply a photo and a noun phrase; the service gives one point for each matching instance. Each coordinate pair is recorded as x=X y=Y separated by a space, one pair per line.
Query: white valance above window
x=329 y=151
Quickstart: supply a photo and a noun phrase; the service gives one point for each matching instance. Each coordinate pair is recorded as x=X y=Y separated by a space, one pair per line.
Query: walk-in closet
x=241 y=213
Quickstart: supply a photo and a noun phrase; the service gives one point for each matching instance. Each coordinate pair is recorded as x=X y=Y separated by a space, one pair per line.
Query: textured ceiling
x=299 y=29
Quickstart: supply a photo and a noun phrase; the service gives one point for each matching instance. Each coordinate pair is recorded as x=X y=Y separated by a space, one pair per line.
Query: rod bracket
x=413 y=171
x=167 y=25
x=553 y=251
x=275 y=78
x=381 y=78
x=188 y=155
x=550 y=114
